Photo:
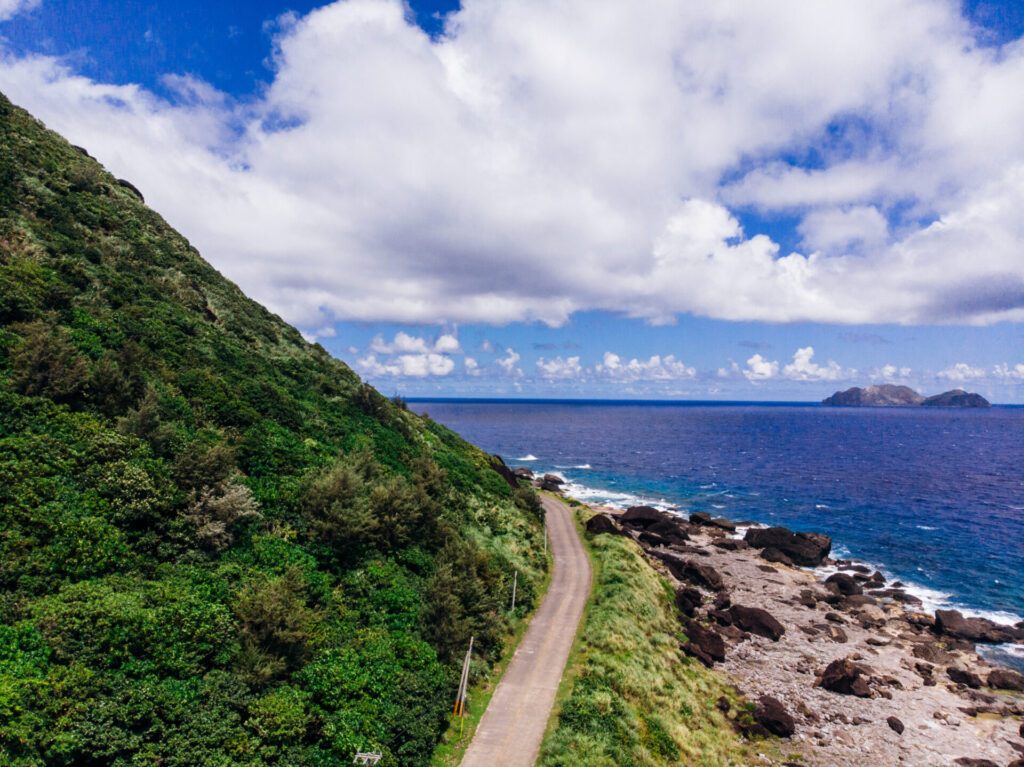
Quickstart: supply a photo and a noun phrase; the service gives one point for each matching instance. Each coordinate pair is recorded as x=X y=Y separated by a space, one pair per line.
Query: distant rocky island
x=888 y=395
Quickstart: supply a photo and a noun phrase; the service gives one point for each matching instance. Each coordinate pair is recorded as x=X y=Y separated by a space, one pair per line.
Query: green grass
x=629 y=695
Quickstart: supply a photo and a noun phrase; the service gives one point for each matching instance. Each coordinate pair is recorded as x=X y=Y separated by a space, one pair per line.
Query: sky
x=667 y=200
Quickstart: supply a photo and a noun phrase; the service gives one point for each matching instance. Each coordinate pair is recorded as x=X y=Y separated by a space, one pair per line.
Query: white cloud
x=891 y=373
x=803 y=368
x=759 y=369
x=471 y=366
x=836 y=228
x=961 y=372
x=559 y=368
x=509 y=363
x=406 y=366
x=1008 y=373
x=11 y=8
x=404 y=343
x=656 y=368
x=487 y=347
x=481 y=177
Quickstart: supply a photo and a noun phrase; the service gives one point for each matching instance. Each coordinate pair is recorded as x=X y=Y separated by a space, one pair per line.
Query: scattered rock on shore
x=757 y=621
x=1004 y=679
x=770 y=713
x=602 y=523
x=952 y=623
x=845 y=677
x=895 y=725
x=805 y=549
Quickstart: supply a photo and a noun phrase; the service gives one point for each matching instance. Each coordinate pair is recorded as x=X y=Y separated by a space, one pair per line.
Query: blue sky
x=740 y=201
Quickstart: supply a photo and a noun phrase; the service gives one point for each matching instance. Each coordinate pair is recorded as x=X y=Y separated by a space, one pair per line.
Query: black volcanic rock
x=643 y=516
x=956 y=398
x=757 y=621
x=772 y=714
x=1004 y=679
x=952 y=623
x=884 y=395
x=601 y=523
x=552 y=483
x=804 y=549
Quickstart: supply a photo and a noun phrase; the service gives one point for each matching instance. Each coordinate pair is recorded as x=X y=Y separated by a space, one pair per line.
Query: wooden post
x=515 y=581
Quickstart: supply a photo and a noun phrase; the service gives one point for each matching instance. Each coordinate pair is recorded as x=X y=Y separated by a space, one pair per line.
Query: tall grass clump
x=635 y=698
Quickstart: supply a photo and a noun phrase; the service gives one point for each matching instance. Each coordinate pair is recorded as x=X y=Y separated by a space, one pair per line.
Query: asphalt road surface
x=511 y=729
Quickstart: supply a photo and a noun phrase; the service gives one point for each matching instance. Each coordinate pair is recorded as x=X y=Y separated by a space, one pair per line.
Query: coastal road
x=511 y=729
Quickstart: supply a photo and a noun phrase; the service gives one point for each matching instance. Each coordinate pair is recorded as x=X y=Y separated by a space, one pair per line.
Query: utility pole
x=545 y=537
x=460 y=698
x=515 y=581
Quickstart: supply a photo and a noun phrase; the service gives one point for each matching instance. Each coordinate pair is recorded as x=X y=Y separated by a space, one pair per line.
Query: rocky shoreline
x=846 y=666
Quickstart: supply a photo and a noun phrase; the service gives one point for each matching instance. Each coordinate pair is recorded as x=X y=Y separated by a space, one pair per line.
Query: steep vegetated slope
x=217 y=546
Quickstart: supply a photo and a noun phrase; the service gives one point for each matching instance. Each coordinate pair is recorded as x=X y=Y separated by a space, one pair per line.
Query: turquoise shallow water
x=934 y=497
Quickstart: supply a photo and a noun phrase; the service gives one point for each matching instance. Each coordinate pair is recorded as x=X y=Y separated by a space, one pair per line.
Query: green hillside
x=217 y=546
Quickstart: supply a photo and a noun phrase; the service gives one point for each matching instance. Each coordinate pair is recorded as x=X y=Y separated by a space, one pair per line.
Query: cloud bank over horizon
x=540 y=160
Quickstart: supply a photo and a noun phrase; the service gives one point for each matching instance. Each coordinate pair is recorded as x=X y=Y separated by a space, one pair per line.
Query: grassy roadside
x=629 y=695
x=456 y=739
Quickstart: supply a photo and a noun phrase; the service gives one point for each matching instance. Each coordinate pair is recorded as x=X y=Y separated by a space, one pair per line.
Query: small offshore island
x=889 y=395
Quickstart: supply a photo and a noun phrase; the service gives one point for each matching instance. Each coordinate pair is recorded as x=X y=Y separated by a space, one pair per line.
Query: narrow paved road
x=511 y=729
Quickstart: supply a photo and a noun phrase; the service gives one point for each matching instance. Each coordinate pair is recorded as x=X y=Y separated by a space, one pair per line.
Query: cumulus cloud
x=471 y=366
x=406 y=366
x=759 y=369
x=803 y=368
x=559 y=368
x=838 y=229
x=961 y=372
x=890 y=373
x=509 y=363
x=656 y=368
x=11 y=8
x=482 y=177
x=446 y=343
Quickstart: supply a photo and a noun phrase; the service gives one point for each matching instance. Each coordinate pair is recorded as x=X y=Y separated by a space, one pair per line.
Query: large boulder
x=643 y=517
x=846 y=678
x=602 y=523
x=846 y=584
x=804 y=549
x=687 y=570
x=523 y=473
x=1004 y=679
x=551 y=483
x=960 y=676
x=953 y=624
x=688 y=599
x=670 y=529
x=772 y=714
x=772 y=554
x=703 y=519
x=707 y=641
x=757 y=621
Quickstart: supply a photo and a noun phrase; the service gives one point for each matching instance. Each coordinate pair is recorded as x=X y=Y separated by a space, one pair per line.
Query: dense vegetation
x=635 y=698
x=217 y=546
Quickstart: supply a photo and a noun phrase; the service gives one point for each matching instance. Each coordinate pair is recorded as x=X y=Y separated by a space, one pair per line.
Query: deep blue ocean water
x=934 y=497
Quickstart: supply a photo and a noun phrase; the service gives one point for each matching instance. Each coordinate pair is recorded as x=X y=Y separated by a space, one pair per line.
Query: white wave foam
x=528 y=457
x=822 y=506
x=613 y=498
x=577 y=466
x=718 y=506
x=925 y=527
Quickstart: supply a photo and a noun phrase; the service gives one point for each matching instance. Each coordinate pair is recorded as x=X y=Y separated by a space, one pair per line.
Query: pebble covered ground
x=914 y=713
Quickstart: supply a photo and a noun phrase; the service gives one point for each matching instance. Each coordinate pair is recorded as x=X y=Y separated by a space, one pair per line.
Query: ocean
x=932 y=497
